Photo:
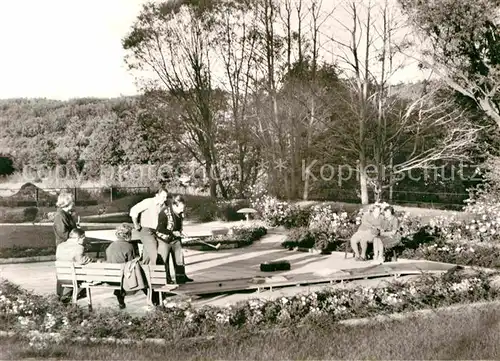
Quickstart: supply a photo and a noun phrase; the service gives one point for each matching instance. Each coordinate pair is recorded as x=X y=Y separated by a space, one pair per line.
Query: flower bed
x=23 y=311
x=240 y=236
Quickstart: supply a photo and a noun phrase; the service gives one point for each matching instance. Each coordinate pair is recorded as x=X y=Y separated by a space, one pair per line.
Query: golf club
x=217 y=246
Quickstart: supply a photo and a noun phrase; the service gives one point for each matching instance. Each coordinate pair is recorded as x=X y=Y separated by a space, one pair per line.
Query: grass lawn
x=30 y=236
x=469 y=334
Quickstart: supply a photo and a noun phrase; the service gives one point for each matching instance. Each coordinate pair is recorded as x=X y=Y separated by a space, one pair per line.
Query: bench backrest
x=99 y=272
x=106 y=272
x=156 y=274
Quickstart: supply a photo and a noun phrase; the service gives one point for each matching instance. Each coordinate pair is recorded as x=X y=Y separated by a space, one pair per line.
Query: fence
x=34 y=196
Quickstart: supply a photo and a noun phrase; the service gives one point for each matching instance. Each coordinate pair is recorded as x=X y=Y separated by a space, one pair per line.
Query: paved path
x=207 y=266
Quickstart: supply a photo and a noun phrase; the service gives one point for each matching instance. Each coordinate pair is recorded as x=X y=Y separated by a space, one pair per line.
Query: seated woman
x=389 y=235
x=121 y=251
x=371 y=224
x=72 y=251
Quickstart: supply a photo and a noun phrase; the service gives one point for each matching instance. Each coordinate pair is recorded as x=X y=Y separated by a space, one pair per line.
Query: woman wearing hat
x=63 y=219
x=64 y=223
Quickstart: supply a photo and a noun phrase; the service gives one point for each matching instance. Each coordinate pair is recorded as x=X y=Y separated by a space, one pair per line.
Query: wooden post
x=111 y=194
x=75 y=193
x=36 y=195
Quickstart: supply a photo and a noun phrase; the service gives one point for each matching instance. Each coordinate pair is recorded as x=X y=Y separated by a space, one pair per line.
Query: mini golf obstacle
x=100 y=239
x=262 y=282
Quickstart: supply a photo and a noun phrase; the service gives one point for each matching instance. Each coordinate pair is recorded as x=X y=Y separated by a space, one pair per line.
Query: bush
x=479 y=256
x=239 y=236
x=228 y=210
x=30 y=214
x=6 y=165
x=302 y=237
x=278 y=213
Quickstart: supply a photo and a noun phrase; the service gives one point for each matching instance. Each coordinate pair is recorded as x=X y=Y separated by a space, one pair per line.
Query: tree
x=234 y=24
x=173 y=44
x=389 y=134
x=460 y=41
x=6 y=165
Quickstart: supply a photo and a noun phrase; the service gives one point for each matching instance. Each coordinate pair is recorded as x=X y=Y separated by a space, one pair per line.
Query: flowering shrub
x=474 y=255
x=279 y=213
x=180 y=320
x=325 y=219
x=239 y=236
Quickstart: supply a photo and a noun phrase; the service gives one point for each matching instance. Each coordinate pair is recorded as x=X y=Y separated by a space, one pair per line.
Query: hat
x=124 y=232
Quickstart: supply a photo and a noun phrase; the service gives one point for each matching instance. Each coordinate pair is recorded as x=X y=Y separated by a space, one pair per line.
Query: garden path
x=208 y=266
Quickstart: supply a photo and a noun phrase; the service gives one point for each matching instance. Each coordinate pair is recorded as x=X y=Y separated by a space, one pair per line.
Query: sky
x=62 y=49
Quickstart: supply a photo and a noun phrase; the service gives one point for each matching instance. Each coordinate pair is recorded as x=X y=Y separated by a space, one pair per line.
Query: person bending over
x=169 y=233
x=147 y=210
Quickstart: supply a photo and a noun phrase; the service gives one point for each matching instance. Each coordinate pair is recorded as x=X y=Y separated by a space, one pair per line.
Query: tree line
x=271 y=87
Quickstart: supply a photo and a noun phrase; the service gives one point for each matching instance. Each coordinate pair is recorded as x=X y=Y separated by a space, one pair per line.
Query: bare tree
x=372 y=52
x=236 y=44
x=171 y=47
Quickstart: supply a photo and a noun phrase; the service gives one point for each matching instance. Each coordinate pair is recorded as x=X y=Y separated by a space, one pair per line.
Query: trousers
x=174 y=248
x=150 y=246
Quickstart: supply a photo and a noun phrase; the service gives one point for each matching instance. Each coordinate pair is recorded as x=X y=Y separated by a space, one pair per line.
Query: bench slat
x=105 y=272
x=115 y=273
x=98 y=278
x=110 y=266
x=103 y=265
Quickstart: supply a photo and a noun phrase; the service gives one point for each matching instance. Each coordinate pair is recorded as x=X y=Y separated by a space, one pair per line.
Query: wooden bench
x=157 y=280
x=92 y=275
x=108 y=276
x=347 y=245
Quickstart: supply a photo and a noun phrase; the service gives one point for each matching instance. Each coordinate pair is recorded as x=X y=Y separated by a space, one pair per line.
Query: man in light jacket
x=148 y=210
x=72 y=251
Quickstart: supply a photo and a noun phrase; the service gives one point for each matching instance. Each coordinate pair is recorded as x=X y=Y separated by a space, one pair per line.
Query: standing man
x=169 y=233
x=147 y=210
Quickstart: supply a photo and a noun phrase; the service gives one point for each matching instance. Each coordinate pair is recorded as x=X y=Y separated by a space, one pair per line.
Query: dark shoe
x=82 y=294
x=180 y=275
x=121 y=301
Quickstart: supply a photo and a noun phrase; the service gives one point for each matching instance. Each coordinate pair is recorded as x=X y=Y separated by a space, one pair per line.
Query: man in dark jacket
x=121 y=251
x=169 y=238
